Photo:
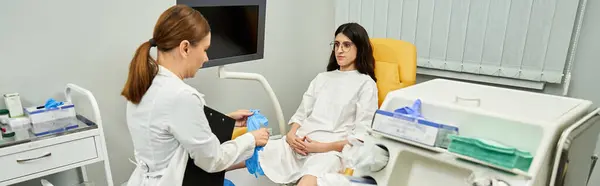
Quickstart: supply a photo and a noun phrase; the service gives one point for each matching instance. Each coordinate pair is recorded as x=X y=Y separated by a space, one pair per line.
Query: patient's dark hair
x=365 y=62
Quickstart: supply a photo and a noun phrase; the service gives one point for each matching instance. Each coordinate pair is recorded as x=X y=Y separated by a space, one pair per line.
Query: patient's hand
x=315 y=146
x=296 y=143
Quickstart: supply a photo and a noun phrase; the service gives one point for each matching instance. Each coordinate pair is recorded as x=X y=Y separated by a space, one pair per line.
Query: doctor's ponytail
x=141 y=73
x=178 y=23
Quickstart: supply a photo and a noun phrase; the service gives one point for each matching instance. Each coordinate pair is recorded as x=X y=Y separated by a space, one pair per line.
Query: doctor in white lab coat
x=165 y=115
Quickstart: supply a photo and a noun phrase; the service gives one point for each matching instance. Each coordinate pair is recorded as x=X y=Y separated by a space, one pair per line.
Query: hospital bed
x=557 y=131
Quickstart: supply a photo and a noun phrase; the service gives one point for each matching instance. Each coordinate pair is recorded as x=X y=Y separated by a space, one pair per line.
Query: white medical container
x=46 y=121
x=406 y=127
x=13 y=104
x=529 y=121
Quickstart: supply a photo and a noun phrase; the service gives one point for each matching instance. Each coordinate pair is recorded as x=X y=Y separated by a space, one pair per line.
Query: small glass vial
x=349 y=171
x=349 y=166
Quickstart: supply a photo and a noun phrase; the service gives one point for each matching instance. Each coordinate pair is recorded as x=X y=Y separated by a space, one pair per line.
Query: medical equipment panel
x=530 y=122
x=509 y=102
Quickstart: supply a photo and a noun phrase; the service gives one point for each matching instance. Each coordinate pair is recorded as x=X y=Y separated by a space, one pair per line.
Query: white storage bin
x=54 y=126
x=47 y=121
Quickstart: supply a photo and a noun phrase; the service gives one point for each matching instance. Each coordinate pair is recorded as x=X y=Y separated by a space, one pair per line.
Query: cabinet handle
x=458 y=99
x=31 y=159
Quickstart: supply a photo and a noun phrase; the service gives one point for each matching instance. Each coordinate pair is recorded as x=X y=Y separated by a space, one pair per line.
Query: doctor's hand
x=261 y=137
x=240 y=116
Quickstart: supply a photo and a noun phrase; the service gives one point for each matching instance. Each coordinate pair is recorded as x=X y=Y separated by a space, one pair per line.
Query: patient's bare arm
x=318 y=147
x=240 y=165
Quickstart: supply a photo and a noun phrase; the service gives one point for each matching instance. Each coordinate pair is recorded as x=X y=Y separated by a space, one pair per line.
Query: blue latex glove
x=254 y=123
x=52 y=104
x=228 y=183
x=414 y=111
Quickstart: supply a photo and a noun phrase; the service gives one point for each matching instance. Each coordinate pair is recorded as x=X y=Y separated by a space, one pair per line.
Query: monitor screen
x=233 y=30
x=237 y=29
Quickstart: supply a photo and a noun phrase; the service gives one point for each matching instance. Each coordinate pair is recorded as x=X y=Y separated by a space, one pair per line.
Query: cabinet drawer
x=45 y=158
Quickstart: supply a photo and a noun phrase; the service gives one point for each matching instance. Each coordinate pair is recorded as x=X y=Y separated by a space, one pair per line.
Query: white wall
x=46 y=44
x=586 y=67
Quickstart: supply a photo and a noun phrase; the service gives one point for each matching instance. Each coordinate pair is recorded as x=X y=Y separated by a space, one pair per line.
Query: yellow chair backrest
x=395 y=65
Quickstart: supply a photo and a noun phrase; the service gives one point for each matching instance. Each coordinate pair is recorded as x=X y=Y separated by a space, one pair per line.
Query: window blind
x=517 y=39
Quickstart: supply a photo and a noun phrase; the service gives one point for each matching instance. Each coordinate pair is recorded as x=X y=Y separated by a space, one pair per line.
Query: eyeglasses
x=346 y=45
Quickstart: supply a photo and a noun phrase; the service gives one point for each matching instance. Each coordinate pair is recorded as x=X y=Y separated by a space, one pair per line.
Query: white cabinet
x=31 y=157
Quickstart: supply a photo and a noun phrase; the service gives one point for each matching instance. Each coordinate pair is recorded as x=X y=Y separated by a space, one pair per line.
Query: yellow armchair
x=395 y=65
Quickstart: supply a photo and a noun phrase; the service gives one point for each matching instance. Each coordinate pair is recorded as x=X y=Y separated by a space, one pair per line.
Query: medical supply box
x=49 y=120
x=411 y=128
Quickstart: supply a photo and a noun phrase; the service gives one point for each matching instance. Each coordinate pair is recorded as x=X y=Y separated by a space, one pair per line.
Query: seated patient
x=338 y=104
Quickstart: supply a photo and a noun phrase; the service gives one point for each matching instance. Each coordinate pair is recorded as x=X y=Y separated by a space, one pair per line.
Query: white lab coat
x=169 y=125
x=337 y=104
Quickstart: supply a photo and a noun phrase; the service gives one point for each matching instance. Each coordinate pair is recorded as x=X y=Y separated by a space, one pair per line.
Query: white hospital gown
x=336 y=105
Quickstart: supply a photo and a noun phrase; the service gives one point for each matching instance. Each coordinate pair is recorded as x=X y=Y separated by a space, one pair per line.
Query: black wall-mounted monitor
x=237 y=29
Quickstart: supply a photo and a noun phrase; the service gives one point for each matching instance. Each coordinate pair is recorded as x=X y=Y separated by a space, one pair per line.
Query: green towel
x=491 y=151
